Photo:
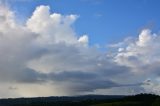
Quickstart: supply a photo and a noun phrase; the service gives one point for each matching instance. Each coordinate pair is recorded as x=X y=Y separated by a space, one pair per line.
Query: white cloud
x=43 y=51
x=52 y=28
x=144 y=49
x=83 y=40
x=47 y=54
x=144 y=38
x=143 y=56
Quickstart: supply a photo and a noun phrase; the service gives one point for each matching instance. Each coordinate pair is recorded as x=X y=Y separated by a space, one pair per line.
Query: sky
x=68 y=47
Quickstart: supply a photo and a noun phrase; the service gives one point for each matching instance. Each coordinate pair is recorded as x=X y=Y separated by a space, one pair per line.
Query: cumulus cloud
x=142 y=55
x=52 y=28
x=47 y=54
x=84 y=40
x=142 y=50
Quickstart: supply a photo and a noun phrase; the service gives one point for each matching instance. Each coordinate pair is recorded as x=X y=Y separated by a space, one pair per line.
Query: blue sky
x=105 y=21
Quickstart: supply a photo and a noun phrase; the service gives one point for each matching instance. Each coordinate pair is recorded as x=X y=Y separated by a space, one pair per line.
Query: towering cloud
x=47 y=54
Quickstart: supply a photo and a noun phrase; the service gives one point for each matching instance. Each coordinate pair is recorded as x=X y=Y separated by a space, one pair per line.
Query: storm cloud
x=47 y=54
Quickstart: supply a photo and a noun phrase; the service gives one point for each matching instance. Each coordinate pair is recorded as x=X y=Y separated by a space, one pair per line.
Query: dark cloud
x=47 y=54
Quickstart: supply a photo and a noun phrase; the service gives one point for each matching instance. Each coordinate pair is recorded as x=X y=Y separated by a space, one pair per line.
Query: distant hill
x=87 y=100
